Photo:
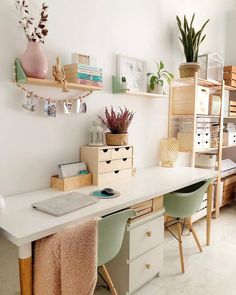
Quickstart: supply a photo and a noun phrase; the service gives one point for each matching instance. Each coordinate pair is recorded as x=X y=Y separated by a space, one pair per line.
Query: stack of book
x=83 y=74
x=232 y=108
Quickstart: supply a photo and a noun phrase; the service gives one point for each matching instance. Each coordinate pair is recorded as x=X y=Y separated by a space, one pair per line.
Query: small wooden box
x=214 y=105
x=230 y=75
x=184 y=97
x=71 y=183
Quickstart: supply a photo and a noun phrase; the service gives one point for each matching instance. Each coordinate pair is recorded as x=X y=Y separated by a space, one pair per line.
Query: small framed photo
x=133 y=71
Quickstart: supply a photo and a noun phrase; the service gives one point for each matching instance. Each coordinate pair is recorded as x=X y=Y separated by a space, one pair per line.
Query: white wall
x=31 y=146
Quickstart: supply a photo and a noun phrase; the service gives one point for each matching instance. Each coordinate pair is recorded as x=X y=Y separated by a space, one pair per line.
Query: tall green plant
x=190 y=39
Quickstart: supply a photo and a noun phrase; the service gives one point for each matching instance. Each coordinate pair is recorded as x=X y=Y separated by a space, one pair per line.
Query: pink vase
x=34 y=61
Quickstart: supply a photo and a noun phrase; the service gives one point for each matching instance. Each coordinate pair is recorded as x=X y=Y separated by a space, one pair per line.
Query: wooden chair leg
x=180 y=246
x=108 y=280
x=195 y=235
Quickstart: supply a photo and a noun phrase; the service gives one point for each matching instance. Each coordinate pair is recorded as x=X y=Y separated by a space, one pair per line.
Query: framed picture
x=133 y=71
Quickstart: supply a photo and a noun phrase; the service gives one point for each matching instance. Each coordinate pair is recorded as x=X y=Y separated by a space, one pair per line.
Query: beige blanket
x=66 y=262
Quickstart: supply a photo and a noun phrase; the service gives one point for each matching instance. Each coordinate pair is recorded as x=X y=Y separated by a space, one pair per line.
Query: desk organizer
x=108 y=163
x=71 y=183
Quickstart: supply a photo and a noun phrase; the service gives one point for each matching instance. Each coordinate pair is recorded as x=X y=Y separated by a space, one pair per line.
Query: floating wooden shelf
x=21 y=78
x=118 y=89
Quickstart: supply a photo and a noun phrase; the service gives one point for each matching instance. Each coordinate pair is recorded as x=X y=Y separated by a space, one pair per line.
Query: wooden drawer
x=104 y=154
x=114 y=176
x=121 y=152
x=144 y=268
x=146 y=236
x=112 y=165
x=229 y=138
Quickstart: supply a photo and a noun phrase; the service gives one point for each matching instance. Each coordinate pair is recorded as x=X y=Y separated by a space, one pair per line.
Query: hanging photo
x=78 y=106
x=67 y=107
x=133 y=72
x=52 y=110
x=46 y=107
x=28 y=104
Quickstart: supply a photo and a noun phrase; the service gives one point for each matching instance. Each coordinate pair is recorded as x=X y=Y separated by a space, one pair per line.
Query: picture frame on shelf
x=135 y=72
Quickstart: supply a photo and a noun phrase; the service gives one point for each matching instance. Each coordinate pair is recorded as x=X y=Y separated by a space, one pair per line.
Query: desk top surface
x=21 y=224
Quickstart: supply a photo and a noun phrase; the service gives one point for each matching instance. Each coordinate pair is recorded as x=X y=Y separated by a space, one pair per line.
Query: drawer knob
x=127 y=148
x=117 y=171
x=105 y=150
x=108 y=162
x=148 y=266
x=116 y=149
x=149 y=234
x=124 y=159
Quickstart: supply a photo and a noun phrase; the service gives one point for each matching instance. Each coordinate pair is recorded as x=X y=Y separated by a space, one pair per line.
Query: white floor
x=212 y=272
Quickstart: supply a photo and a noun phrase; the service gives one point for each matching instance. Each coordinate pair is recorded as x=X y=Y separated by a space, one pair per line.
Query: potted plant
x=34 y=61
x=156 y=81
x=191 y=40
x=118 y=124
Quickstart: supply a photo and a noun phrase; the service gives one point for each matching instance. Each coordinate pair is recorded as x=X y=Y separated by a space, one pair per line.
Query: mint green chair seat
x=111 y=231
x=180 y=206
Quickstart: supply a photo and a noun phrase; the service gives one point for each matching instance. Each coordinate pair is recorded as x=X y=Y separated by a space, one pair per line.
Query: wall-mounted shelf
x=117 y=88
x=21 y=78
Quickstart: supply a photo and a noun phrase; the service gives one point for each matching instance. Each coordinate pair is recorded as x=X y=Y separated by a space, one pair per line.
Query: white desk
x=21 y=224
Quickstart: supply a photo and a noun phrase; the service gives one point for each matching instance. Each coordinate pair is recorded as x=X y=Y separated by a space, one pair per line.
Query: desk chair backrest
x=110 y=235
x=187 y=201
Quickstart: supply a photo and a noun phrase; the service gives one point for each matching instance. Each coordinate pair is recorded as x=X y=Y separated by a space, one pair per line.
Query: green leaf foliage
x=160 y=76
x=190 y=38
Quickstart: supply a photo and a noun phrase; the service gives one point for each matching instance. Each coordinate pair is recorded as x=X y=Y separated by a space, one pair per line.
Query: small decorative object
x=67 y=107
x=52 y=110
x=191 y=40
x=211 y=67
x=157 y=80
x=123 y=82
x=95 y=134
x=134 y=70
x=80 y=58
x=118 y=124
x=101 y=194
x=169 y=148
x=28 y=104
x=59 y=74
x=34 y=61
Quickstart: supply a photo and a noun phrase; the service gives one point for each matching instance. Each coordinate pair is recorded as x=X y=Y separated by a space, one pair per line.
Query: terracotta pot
x=158 y=89
x=34 y=61
x=189 y=69
x=116 y=139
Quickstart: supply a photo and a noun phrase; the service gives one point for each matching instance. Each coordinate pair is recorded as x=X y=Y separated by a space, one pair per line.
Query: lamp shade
x=169 y=149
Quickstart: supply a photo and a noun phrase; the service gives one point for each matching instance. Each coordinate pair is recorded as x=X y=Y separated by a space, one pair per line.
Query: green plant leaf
x=161 y=65
x=149 y=74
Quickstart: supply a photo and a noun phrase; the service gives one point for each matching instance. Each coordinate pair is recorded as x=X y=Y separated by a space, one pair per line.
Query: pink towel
x=66 y=262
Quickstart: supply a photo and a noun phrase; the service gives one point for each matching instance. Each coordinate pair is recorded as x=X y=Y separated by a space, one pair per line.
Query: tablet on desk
x=64 y=204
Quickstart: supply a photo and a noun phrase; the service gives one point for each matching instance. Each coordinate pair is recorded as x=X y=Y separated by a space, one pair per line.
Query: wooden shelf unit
x=21 y=78
x=117 y=88
x=212 y=85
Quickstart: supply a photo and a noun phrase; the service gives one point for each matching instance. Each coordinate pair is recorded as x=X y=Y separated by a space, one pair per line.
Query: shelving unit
x=21 y=78
x=117 y=88
x=179 y=95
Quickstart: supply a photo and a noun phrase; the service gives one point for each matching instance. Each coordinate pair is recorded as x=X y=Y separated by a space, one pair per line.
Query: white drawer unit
x=108 y=163
x=141 y=256
x=229 y=138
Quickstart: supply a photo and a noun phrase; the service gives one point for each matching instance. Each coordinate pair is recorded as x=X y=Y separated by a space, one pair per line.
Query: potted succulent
x=34 y=60
x=191 y=40
x=118 y=124
x=156 y=81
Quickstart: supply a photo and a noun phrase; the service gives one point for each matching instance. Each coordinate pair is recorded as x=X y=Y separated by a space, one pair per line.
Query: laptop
x=64 y=204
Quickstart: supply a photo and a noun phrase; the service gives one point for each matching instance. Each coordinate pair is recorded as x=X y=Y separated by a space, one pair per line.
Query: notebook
x=65 y=203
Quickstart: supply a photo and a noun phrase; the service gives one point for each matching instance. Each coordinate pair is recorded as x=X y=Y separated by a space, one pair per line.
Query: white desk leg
x=25 y=268
x=209 y=209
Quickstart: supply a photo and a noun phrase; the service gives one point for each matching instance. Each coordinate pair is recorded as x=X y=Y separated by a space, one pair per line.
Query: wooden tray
x=71 y=183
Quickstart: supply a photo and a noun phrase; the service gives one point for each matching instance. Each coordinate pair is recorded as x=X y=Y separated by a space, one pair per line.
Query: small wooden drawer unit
x=229 y=138
x=108 y=163
x=141 y=256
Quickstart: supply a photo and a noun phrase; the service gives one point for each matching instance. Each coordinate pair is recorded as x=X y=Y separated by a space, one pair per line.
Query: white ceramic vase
x=158 y=89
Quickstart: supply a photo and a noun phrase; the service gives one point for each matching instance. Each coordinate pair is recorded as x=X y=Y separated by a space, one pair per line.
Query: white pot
x=158 y=89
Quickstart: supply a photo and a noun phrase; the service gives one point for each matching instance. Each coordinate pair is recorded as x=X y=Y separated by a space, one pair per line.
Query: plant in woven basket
x=118 y=123
x=190 y=38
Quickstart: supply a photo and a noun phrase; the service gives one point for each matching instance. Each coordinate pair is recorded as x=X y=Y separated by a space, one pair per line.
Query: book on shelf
x=84 y=71
x=85 y=82
x=84 y=77
x=81 y=66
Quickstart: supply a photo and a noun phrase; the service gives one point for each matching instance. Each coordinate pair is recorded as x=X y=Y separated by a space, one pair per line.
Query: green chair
x=111 y=230
x=180 y=206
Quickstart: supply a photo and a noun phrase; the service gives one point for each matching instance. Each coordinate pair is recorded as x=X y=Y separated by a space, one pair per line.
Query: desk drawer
x=146 y=236
x=113 y=165
x=122 y=152
x=104 y=154
x=144 y=268
x=114 y=176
